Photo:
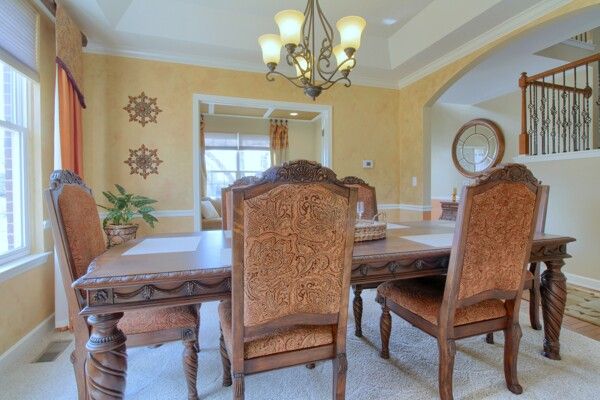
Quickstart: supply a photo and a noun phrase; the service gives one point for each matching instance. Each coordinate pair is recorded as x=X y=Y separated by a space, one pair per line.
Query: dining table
x=193 y=268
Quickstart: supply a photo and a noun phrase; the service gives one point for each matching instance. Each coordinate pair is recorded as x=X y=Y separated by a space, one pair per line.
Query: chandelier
x=315 y=70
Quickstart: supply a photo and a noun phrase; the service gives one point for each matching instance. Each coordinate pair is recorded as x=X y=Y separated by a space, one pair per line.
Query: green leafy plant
x=125 y=206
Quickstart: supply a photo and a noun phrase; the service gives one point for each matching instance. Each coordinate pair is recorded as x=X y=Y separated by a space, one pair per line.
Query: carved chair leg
x=447 y=349
x=238 y=386
x=79 y=355
x=385 y=328
x=190 y=367
x=534 y=297
x=198 y=328
x=225 y=361
x=106 y=364
x=489 y=338
x=554 y=298
x=340 y=367
x=357 y=307
x=512 y=338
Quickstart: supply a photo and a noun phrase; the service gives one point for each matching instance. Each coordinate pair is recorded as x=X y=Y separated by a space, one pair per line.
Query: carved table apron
x=116 y=283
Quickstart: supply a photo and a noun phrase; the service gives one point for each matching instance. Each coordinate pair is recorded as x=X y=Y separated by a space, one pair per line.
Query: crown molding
x=359 y=79
x=532 y=13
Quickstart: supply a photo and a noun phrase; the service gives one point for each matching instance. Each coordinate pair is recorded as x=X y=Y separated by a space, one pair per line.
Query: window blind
x=18 y=36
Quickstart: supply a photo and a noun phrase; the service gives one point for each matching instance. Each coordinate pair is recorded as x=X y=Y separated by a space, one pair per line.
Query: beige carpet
x=583 y=304
x=411 y=373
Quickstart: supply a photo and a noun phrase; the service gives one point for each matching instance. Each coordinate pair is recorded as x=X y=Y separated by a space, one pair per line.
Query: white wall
x=446 y=119
x=573 y=207
x=573 y=210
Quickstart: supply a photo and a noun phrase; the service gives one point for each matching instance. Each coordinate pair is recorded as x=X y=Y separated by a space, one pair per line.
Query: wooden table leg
x=106 y=364
x=357 y=307
x=554 y=298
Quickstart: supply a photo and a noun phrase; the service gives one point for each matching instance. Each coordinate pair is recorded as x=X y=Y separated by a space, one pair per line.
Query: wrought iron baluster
x=543 y=125
x=531 y=131
x=563 y=112
x=575 y=110
x=586 y=118
x=535 y=119
x=553 y=112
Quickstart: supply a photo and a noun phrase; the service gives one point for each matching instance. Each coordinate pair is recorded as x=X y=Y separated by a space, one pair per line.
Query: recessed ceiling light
x=293 y=114
x=389 y=21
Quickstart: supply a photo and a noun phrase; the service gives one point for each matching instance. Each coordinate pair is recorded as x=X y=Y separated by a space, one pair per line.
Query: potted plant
x=124 y=207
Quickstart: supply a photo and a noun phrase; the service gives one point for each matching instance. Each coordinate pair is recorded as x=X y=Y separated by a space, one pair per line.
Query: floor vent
x=53 y=350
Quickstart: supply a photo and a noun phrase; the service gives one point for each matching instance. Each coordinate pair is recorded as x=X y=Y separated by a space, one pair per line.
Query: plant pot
x=117 y=234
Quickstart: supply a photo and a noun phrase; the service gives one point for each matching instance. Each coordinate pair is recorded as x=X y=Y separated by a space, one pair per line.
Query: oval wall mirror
x=478 y=145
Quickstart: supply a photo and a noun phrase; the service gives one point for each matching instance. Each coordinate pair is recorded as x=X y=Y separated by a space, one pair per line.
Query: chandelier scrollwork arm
x=313 y=66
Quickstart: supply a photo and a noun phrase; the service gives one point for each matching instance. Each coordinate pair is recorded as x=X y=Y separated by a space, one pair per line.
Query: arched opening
x=488 y=88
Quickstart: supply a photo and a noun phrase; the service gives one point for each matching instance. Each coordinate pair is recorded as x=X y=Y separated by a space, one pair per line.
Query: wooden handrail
x=561 y=124
x=564 y=68
x=586 y=91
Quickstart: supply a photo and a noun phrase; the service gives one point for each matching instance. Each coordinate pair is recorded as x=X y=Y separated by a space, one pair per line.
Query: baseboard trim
x=19 y=349
x=588 y=283
x=406 y=207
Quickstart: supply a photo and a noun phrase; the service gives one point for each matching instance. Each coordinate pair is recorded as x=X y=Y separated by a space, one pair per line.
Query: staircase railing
x=557 y=107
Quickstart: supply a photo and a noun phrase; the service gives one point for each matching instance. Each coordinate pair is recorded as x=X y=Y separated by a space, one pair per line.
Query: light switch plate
x=367 y=163
x=414 y=181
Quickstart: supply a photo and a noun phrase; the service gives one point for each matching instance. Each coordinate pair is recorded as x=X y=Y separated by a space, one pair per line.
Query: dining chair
x=532 y=276
x=227 y=202
x=486 y=273
x=292 y=242
x=366 y=194
x=78 y=239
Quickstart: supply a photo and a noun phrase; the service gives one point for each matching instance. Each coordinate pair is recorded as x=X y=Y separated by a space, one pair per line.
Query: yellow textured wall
x=415 y=98
x=365 y=124
x=28 y=298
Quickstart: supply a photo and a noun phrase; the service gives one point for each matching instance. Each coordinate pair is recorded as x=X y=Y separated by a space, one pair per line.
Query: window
x=15 y=91
x=230 y=156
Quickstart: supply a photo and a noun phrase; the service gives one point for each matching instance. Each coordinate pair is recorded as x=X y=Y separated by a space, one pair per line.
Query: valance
x=69 y=50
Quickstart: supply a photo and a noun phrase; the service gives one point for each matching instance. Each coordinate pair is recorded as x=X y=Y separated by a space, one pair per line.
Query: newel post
x=523 y=137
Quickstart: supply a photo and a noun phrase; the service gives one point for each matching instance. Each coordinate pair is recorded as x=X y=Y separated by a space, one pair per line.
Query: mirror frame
x=491 y=125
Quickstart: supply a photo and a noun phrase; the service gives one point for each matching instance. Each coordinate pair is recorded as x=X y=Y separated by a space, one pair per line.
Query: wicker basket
x=369 y=229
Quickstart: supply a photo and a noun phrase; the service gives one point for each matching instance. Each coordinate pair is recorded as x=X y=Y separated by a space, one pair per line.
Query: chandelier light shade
x=271 y=48
x=341 y=58
x=290 y=26
x=317 y=69
x=350 y=29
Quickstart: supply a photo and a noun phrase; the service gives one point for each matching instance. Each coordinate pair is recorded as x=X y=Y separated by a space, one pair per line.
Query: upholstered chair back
x=292 y=246
x=365 y=193
x=494 y=230
x=76 y=225
x=227 y=199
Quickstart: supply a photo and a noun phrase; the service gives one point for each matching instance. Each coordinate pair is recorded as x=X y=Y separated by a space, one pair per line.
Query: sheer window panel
x=230 y=156
x=14 y=121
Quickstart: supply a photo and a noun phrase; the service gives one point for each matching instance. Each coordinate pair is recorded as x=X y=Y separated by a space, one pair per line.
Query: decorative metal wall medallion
x=142 y=109
x=143 y=161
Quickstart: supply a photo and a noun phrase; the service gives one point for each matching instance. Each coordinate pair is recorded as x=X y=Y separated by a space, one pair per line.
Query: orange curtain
x=203 y=156
x=70 y=100
x=278 y=134
x=71 y=130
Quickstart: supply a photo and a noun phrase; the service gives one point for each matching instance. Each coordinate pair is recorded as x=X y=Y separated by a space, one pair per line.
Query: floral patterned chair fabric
x=366 y=194
x=486 y=273
x=78 y=237
x=292 y=255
